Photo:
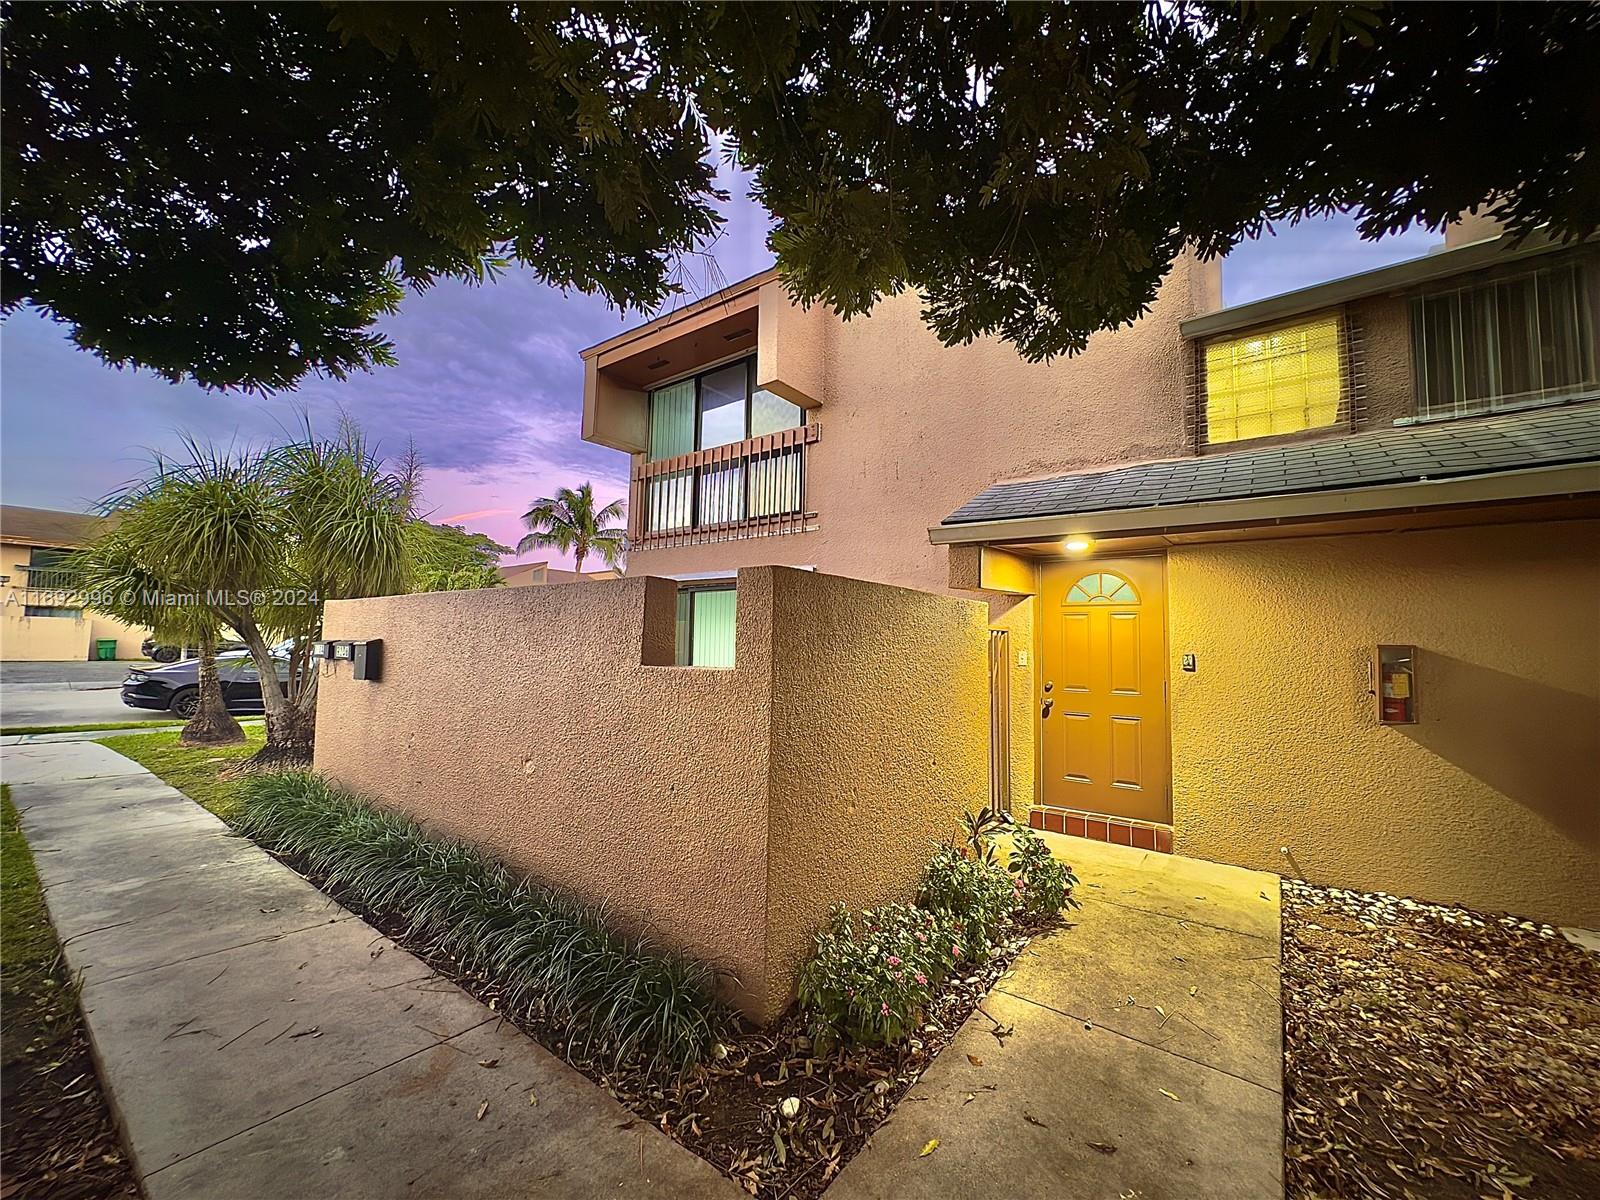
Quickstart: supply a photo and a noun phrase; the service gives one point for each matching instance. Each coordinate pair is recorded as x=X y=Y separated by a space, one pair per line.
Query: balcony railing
x=51 y=579
x=753 y=488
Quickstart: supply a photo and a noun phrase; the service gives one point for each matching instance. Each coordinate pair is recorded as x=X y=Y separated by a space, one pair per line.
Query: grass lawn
x=58 y=1136
x=10 y=729
x=203 y=773
x=97 y=726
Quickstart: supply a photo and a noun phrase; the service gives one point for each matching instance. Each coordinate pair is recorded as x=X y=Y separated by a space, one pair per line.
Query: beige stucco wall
x=526 y=720
x=51 y=639
x=1493 y=799
x=912 y=429
x=880 y=740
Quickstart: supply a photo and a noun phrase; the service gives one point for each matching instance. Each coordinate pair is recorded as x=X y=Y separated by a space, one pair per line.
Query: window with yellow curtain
x=1278 y=381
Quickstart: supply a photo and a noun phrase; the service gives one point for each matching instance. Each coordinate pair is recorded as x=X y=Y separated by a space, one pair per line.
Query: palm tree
x=128 y=585
x=568 y=521
x=265 y=538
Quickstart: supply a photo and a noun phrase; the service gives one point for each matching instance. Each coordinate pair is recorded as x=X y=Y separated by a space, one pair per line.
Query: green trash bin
x=105 y=649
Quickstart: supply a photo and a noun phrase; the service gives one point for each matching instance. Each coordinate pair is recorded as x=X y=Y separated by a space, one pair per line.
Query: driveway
x=1134 y=1055
x=71 y=703
x=74 y=674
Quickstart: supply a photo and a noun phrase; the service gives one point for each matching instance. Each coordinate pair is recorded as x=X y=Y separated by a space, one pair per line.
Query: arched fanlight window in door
x=1102 y=587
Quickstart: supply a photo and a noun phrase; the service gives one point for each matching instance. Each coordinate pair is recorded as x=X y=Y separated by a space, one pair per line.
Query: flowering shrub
x=1046 y=883
x=976 y=894
x=873 y=972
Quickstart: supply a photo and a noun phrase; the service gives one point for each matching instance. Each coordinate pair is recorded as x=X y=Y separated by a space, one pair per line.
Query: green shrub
x=978 y=895
x=552 y=956
x=872 y=975
x=1046 y=882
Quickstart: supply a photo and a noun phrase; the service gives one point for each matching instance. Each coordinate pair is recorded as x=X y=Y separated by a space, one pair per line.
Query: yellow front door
x=1102 y=687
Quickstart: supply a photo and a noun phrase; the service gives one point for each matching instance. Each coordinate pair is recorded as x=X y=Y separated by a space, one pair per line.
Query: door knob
x=1049 y=703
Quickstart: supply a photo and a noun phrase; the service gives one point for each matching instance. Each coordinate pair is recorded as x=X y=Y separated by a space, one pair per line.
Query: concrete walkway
x=1142 y=1058
x=258 y=1041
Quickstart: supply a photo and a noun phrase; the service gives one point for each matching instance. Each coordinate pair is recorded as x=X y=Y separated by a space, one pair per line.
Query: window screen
x=1280 y=381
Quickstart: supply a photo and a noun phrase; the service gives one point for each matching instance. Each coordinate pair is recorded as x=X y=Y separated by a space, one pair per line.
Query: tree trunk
x=212 y=724
x=577 y=564
x=289 y=733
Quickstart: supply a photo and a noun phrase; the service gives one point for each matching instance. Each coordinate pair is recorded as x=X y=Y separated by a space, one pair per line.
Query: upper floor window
x=720 y=407
x=713 y=409
x=1276 y=381
x=49 y=569
x=1522 y=339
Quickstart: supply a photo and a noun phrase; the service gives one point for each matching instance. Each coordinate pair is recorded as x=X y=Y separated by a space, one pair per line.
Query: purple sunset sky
x=488 y=383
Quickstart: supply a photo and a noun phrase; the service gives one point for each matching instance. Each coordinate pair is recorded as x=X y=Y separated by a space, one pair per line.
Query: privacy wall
x=723 y=811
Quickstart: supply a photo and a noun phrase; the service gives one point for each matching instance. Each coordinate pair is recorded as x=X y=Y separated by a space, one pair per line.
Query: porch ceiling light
x=1077 y=544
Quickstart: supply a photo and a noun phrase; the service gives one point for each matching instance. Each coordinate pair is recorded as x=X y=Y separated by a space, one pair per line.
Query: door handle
x=1049 y=703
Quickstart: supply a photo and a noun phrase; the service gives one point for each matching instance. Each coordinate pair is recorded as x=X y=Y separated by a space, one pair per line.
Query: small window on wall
x=706 y=626
x=1279 y=381
x=51 y=610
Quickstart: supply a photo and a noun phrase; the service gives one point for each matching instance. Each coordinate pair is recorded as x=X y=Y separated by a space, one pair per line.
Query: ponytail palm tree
x=262 y=540
x=125 y=583
x=568 y=521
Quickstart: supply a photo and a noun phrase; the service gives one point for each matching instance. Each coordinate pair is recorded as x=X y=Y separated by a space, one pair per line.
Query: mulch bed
x=1435 y=1052
x=57 y=1138
x=728 y=1109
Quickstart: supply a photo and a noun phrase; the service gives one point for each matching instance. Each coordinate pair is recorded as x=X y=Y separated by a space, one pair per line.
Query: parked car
x=165 y=652
x=176 y=687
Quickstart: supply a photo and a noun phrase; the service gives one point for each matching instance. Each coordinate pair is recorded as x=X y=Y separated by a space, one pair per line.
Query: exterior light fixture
x=1077 y=544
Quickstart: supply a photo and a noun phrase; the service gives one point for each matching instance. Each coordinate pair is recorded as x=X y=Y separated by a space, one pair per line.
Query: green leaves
x=545 y=952
x=234 y=193
x=569 y=521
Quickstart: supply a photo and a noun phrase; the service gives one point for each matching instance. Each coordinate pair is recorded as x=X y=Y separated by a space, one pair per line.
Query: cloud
x=489 y=386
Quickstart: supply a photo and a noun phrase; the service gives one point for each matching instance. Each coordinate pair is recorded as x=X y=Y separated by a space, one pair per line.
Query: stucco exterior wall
x=912 y=429
x=1492 y=799
x=721 y=810
x=52 y=639
x=523 y=720
x=880 y=740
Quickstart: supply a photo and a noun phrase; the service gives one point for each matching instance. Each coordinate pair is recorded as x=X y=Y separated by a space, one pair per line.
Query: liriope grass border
x=551 y=957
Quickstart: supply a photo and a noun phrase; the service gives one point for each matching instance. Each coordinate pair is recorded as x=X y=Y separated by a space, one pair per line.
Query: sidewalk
x=1142 y=1055
x=258 y=1041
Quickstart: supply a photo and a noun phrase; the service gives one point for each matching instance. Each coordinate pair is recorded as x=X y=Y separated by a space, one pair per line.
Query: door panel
x=1078 y=760
x=1102 y=651
x=1124 y=654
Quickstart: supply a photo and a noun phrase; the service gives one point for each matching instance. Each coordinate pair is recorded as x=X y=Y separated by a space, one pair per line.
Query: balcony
x=753 y=488
x=51 y=579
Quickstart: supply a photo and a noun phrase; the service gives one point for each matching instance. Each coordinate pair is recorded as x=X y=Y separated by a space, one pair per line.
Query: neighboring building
x=44 y=618
x=542 y=573
x=1193 y=539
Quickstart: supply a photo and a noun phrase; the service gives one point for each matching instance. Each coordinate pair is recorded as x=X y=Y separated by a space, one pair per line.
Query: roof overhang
x=1398 y=277
x=1565 y=481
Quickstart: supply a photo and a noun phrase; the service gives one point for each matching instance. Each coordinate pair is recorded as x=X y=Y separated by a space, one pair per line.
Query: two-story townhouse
x=44 y=618
x=1310 y=584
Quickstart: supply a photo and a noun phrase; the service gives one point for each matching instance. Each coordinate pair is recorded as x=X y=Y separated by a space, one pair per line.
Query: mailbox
x=1396 y=685
x=369 y=659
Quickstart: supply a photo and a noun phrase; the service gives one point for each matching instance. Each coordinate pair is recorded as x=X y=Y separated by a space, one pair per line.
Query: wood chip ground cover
x=1436 y=1052
x=57 y=1138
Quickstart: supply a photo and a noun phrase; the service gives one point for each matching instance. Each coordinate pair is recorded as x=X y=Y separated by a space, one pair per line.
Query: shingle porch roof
x=1544 y=437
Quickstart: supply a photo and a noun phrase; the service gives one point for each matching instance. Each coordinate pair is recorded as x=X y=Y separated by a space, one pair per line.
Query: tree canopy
x=237 y=192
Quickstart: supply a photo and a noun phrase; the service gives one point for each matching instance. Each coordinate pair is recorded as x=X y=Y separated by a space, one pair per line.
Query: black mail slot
x=369 y=659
